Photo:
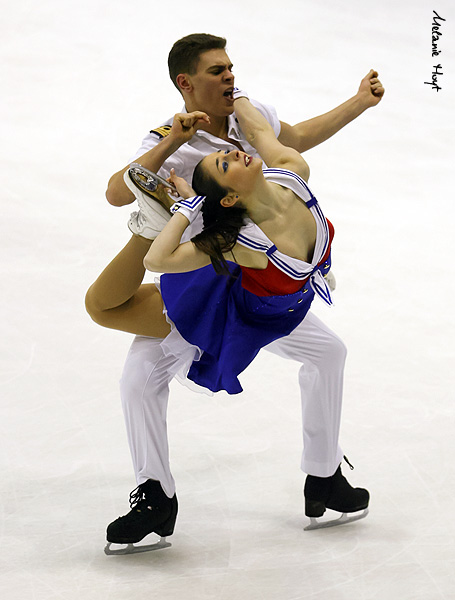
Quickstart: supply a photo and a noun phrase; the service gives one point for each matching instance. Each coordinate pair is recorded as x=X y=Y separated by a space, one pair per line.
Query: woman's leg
x=117 y=299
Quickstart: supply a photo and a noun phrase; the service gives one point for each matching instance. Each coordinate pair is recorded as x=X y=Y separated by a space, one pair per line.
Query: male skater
x=202 y=72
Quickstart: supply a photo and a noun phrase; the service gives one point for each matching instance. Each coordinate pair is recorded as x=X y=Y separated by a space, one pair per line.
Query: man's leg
x=323 y=355
x=144 y=389
x=321 y=384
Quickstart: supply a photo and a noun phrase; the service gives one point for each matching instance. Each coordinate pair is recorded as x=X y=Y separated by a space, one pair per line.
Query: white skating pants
x=144 y=390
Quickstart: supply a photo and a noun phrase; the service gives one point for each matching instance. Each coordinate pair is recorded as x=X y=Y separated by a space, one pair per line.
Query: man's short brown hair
x=184 y=54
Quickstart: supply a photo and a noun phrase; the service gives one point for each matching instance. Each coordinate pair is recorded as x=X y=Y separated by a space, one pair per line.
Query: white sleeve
x=149 y=142
x=174 y=161
x=269 y=113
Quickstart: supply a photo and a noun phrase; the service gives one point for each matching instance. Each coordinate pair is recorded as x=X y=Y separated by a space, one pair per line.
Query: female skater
x=276 y=263
x=247 y=279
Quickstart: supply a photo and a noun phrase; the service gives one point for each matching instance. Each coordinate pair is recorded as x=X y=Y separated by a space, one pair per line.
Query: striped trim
x=325 y=227
x=253 y=244
x=299 y=180
x=162 y=131
x=190 y=203
x=322 y=291
x=286 y=268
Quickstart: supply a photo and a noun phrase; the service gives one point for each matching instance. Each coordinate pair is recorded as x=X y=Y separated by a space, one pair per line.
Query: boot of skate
x=334 y=493
x=151 y=512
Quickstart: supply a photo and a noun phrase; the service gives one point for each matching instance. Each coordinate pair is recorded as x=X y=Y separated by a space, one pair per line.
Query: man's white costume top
x=202 y=143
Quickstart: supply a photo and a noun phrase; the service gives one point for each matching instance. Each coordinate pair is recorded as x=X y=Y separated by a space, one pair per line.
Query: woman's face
x=234 y=170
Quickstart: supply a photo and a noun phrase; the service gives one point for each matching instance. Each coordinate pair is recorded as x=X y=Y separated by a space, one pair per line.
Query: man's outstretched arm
x=307 y=134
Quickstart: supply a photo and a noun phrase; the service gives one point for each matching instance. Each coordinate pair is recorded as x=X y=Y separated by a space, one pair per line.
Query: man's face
x=211 y=85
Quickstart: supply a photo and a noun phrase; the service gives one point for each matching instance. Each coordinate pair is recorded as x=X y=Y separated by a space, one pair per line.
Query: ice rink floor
x=83 y=82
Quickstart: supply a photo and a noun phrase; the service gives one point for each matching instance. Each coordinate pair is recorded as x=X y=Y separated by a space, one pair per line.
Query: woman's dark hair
x=221 y=224
x=184 y=54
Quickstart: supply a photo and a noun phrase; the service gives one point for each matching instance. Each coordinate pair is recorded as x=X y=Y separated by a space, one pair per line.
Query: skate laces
x=347 y=460
x=136 y=496
x=141 y=219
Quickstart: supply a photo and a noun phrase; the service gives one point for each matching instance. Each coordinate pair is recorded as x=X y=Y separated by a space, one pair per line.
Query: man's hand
x=185 y=125
x=371 y=89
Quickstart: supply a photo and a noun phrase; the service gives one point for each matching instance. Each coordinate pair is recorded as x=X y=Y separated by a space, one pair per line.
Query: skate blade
x=132 y=549
x=147 y=181
x=343 y=520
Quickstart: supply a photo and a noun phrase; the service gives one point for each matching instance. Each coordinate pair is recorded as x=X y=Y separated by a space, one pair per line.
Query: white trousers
x=144 y=390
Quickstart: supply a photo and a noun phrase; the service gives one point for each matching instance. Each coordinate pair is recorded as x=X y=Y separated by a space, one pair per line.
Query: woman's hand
x=183 y=187
x=185 y=125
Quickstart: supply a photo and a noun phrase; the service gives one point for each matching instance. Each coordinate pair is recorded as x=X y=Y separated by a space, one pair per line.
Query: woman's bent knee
x=91 y=306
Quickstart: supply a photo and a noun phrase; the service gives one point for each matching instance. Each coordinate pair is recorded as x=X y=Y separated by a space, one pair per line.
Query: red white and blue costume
x=231 y=319
x=152 y=363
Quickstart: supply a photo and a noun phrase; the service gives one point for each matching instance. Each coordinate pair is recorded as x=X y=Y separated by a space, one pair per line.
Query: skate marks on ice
x=121 y=549
x=343 y=520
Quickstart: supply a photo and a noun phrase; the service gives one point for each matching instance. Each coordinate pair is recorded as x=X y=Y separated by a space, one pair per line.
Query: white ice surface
x=82 y=82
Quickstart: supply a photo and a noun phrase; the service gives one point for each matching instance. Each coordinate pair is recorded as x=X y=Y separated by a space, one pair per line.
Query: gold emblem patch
x=162 y=131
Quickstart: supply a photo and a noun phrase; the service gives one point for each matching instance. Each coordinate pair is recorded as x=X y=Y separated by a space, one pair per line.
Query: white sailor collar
x=252 y=236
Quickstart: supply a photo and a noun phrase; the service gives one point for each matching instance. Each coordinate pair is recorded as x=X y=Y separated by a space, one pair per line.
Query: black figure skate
x=336 y=494
x=151 y=512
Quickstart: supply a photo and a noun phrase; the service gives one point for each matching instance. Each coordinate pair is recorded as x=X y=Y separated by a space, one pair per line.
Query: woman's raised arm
x=260 y=135
x=168 y=255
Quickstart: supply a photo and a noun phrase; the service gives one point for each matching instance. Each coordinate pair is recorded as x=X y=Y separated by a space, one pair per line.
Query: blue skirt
x=229 y=324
